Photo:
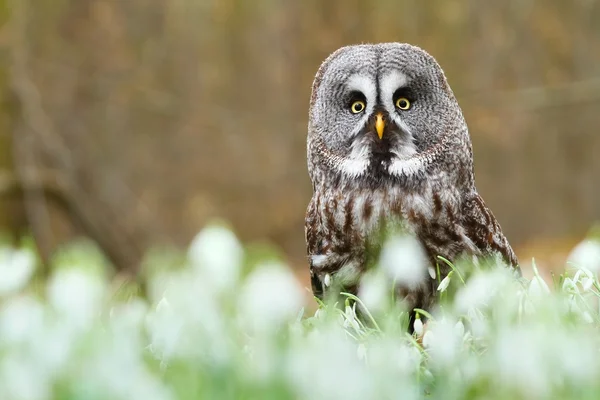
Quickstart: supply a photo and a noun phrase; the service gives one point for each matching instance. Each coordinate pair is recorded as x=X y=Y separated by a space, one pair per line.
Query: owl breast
x=345 y=227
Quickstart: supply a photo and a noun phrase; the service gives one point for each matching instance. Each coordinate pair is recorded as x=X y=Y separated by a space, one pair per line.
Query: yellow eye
x=357 y=107
x=403 y=103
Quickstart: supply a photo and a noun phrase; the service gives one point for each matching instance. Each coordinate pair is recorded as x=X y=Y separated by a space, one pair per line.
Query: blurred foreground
x=218 y=324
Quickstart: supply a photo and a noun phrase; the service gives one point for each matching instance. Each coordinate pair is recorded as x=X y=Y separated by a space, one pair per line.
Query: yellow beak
x=379 y=125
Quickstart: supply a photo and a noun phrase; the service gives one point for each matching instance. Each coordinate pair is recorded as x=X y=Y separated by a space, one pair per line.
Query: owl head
x=384 y=112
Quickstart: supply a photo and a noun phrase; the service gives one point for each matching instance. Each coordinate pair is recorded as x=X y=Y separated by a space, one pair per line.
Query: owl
x=388 y=146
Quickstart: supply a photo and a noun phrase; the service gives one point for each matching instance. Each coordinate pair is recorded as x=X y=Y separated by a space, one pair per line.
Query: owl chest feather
x=343 y=224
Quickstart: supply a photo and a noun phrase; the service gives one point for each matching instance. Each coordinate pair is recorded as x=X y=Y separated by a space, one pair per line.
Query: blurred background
x=135 y=122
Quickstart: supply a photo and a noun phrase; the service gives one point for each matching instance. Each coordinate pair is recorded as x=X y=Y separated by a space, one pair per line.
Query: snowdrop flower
x=325 y=365
x=129 y=316
x=478 y=323
x=587 y=317
x=270 y=296
x=403 y=259
x=418 y=325
x=586 y=255
x=165 y=330
x=76 y=295
x=570 y=286
x=391 y=359
x=445 y=282
x=320 y=313
x=428 y=339
x=21 y=320
x=480 y=289
x=261 y=360
x=327 y=280
x=432 y=273
x=459 y=328
x=361 y=351
x=575 y=360
x=22 y=379
x=373 y=291
x=587 y=284
x=16 y=268
x=218 y=254
x=350 y=318
x=521 y=363
x=537 y=287
x=444 y=343
x=581 y=274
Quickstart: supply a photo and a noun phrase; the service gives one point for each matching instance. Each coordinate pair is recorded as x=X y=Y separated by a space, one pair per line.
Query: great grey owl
x=387 y=143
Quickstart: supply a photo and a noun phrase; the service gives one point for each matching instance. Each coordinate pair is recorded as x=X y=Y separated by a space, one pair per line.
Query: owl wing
x=312 y=232
x=484 y=230
x=327 y=255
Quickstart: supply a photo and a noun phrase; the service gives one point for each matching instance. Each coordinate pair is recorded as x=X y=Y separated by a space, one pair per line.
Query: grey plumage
x=388 y=145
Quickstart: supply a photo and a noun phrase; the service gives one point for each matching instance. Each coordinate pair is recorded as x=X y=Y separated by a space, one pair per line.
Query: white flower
x=394 y=363
x=76 y=295
x=260 y=360
x=350 y=318
x=361 y=351
x=403 y=259
x=320 y=313
x=444 y=343
x=21 y=320
x=324 y=365
x=129 y=316
x=576 y=360
x=22 y=379
x=570 y=286
x=270 y=296
x=480 y=289
x=187 y=314
x=586 y=255
x=520 y=354
x=218 y=254
x=428 y=339
x=16 y=268
x=445 y=283
x=537 y=287
x=432 y=272
x=327 y=280
x=459 y=328
x=373 y=291
x=418 y=326
x=165 y=330
x=587 y=284
x=480 y=326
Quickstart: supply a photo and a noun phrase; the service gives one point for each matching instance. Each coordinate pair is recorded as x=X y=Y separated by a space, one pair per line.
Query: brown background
x=136 y=121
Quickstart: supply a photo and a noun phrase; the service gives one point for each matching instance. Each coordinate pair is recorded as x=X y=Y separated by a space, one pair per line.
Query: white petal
x=16 y=268
x=327 y=280
x=217 y=253
x=459 y=328
x=418 y=327
x=428 y=339
x=431 y=271
x=587 y=284
x=444 y=284
x=586 y=255
x=270 y=296
x=403 y=259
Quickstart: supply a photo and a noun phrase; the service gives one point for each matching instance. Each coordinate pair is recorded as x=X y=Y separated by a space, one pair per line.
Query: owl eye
x=403 y=103
x=357 y=107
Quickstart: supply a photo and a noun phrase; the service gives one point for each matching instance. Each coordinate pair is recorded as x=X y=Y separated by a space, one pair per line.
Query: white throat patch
x=358 y=161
